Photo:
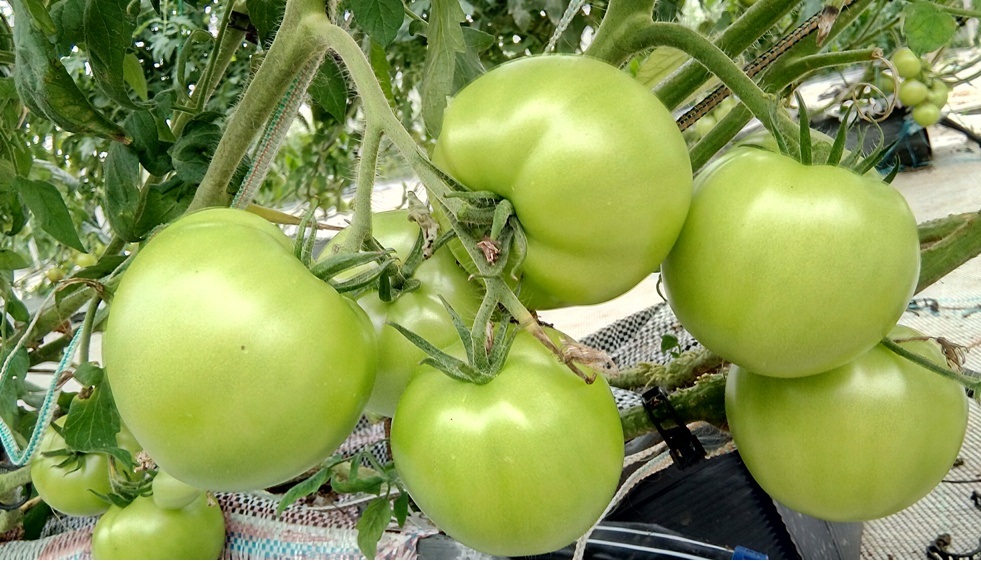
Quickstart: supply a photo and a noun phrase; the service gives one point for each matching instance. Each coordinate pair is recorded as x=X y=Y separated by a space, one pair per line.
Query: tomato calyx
x=486 y=349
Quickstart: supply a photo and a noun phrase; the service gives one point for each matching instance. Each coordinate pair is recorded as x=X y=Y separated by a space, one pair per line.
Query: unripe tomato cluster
x=919 y=88
x=795 y=273
x=176 y=521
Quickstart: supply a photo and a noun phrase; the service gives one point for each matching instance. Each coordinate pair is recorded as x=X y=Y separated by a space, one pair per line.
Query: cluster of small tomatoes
x=919 y=88
x=175 y=521
x=237 y=369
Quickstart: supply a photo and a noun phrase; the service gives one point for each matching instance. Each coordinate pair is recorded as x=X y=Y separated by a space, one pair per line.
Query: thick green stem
x=680 y=372
x=712 y=58
x=622 y=19
x=87 y=326
x=286 y=58
x=226 y=45
x=704 y=401
x=746 y=30
x=955 y=11
x=962 y=245
x=360 y=228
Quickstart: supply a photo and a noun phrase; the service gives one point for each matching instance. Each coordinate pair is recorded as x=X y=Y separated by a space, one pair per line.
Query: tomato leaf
x=17 y=309
x=105 y=265
x=371 y=526
x=193 y=150
x=401 y=509
x=304 y=488
x=108 y=28
x=44 y=84
x=265 y=16
x=445 y=42
x=122 y=196
x=10 y=260
x=382 y=69
x=92 y=425
x=35 y=519
x=165 y=202
x=142 y=127
x=14 y=385
x=927 y=27
x=329 y=89
x=133 y=75
x=68 y=19
x=380 y=19
x=89 y=374
x=352 y=483
x=50 y=210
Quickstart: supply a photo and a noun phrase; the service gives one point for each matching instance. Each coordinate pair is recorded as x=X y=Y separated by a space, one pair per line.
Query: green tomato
x=790 y=270
x=913 y=92
x=926 y=114
x=419 y=311
x=83 y=260
x=593 y=164
x=232 y=364
x=522 y=465
x=71 y=488
x=142 y=530
x=54 y=274
x=859 y=442
x=172 y=493
x=938 y=93
x=907 y=63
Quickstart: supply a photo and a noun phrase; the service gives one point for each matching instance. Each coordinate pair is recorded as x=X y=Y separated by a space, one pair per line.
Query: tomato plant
x=594 y=165
x=521 y=465
x=71 y=482
x=790 y=270
x=858 y=442
x=419 y=310
x=217 y=337
x=143 y=530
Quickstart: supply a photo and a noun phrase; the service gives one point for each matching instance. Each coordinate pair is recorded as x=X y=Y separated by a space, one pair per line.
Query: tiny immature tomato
x=143 y=530
x=913 y=92
x=859 y=442
x=939 y=91
x=54 y=274
x=172 y=493
x=907 y=63
x=926 y=114
x=84 y=260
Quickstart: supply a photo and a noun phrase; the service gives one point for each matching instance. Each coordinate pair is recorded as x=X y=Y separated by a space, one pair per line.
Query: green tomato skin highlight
x=522 y=465
x=596 y=169
x=231 y=363
x=142 y=530
x=859 y=442
x=789 y=270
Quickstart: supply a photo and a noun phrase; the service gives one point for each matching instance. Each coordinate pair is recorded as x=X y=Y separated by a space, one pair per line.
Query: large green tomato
x=859 y=442
x=420 y=310
x=72 y=488
x=232 y=364
x=593 y=164
x=522 y=465
x=790 y=270
x=143 y=530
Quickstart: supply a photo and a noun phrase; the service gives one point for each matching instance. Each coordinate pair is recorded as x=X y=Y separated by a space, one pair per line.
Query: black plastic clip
x=685 y=449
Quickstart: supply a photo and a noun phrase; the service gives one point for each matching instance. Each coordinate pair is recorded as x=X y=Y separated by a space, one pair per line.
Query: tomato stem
x=969 y=382
x=703 y=401
x=958 y=247
x=287 y=56
x=360 y=229
x=681 y=371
